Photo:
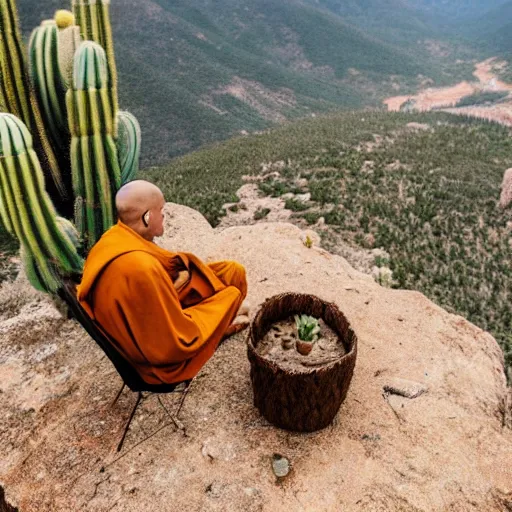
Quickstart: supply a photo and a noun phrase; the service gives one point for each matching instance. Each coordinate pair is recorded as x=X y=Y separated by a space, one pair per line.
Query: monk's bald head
x=136 y=198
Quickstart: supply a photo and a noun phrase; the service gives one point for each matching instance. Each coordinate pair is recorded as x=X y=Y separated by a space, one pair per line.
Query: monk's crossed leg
x=231 y=273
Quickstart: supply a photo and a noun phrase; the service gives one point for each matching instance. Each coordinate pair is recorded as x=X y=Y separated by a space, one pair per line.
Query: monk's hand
x=176 y=268
x=181 y=279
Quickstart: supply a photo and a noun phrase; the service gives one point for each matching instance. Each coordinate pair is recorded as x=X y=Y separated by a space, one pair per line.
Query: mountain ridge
x=195 y=73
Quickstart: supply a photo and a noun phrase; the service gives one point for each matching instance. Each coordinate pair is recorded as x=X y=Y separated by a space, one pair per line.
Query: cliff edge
x=448 y=449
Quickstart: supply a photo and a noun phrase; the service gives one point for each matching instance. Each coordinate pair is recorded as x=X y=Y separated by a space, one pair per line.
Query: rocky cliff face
x=448 y=449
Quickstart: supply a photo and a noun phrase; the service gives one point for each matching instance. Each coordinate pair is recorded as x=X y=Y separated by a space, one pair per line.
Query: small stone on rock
x=405 y=388
x=280 y=465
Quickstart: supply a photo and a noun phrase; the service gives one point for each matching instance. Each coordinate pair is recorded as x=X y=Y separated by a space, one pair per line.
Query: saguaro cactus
x=27 y=211
x=94 y=164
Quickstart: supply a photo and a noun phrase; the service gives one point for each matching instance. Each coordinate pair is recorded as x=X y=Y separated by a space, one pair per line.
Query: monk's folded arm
x=164 y=332
x=215 y=312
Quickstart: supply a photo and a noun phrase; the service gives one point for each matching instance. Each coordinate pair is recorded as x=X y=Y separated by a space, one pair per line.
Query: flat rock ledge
x=448 y=448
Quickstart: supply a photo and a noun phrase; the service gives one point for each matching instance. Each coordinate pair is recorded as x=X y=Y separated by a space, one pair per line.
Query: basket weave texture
x=303 y=400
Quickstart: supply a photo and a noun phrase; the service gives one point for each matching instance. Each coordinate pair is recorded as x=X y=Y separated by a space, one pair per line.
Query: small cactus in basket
x=65 y=149
x=308 y=329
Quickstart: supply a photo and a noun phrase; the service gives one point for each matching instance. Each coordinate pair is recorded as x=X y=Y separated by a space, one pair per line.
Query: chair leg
x=118 y=395
x=175 y=420
x=185 y=391
x=120 y=445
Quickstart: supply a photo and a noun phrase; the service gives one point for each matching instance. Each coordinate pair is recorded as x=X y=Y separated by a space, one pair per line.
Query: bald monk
x=168 y=311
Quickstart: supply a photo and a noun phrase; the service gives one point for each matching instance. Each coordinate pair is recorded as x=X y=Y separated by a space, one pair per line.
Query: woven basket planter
x=303 y=400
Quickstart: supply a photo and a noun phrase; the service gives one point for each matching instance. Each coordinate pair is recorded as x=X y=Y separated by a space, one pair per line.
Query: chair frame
x=126 y=371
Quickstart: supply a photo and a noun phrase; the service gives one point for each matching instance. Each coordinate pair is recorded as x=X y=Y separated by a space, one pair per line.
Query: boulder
x=447 y=448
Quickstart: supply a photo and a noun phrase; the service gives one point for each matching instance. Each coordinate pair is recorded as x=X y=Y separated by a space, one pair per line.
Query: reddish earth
x=447 y=97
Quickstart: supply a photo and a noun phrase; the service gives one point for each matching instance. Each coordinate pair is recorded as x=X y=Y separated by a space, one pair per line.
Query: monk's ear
x=145 y=218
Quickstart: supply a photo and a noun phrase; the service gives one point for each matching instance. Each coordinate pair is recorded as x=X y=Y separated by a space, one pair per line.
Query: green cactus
x=27 y=210
x=17 y=95
x=94 y=163
x=68 y=40
x=71 y=109
x=49 y=83
x=50 y=58
x=32 y=270
x=93 y=17
x=128 y=145
x=308 y=328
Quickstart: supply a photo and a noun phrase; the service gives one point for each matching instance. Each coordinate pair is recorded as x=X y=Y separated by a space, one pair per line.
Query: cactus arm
x=28 y=184
x=90 y=197
x=106 y=35
x=32 y=272
x=84 y=164
x=93 y=16
x=128 y=145
x=18 y=95
x=68 y=42
x=28 y=207
x=95 y=166
x=49 y=83
x=102 y=182
x=38 y=220
x=25 y=231
x=77 y=178
x=6 y=202
x=4 y=215
x=10 y=206
x=60 y=245
x=15 y=81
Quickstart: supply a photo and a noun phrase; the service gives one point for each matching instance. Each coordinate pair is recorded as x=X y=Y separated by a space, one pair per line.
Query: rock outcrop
x=440 y=443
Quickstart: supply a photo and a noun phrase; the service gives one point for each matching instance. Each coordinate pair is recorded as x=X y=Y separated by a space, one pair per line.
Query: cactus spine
x=94 y=164
x=18 y=96
x=27 y=210
x=93 y=16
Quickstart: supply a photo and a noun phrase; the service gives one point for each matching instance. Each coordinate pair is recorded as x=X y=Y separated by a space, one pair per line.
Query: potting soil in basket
x=326 y=349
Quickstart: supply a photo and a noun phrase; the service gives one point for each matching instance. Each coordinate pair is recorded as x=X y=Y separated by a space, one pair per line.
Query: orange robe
x=167 y=335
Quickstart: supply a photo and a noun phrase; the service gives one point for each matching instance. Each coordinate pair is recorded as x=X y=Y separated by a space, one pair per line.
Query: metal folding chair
x=125 y=370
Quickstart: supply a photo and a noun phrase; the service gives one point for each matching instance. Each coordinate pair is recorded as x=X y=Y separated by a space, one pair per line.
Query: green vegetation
x=505 y=74
x=456 y=11
x=197 y=72
x=426 y=196
x=308 y=328
x=480 y=98
x=261 y=213
x=296 y=206
x=492 y=32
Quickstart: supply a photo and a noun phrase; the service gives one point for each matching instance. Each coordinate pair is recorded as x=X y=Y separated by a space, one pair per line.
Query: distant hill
x=456 y=10
x=196 y=71
x=494 y=29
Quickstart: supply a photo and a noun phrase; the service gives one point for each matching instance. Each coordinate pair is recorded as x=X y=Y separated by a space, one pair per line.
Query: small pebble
x=287 y=343
x=280 y=465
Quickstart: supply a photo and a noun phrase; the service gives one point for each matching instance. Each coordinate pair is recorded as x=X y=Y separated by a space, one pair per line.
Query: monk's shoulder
x=136 y=263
